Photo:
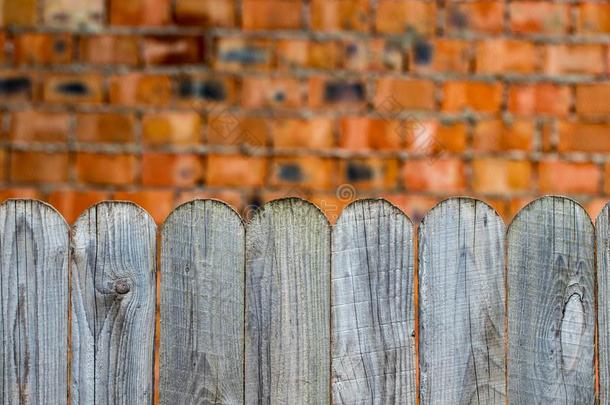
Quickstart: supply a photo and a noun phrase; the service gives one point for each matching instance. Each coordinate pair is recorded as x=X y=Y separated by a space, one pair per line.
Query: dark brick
x=341 y=91
x=359 y=172
x=207 y=89
x=14 y=85
x=291 y=172
x=248 y=55
x=423 y=52
x=73 y=88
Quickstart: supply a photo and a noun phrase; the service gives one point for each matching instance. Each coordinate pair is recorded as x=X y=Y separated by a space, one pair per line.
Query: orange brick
x=330 y=204
x=172 y=50
x=398 y=95
x=593 y=18
x=607 y=178
x=109 y=50
x=199 y=91
x=595 y=206
x=140 y=12
x=105 y=127
x=501 y=176
x=73 y=88
x=109 y=169
x=430 y=137
x=356 y=55
x=37 y=126
x=171 y=128
x=566 y=59
x=340 y=15
x=369 y=174
x=306 y=172
x=19 y=13
x=567 y=177
x=158 y=203
x=400 y=16
x=445 y=175
x=444 y=55
x=336 y=93
x=293 y=53
x=541 y=98
x=167 y=169
x=43 y=49
x=227 y=128
x=363 y=134
x=477 y=96
x=236 y=54
x=19 y=192
x=265 y=14
x=235 y=171
x=415 y=206
x=592 y=99
x=206 y=13
x=583 y=137
x=500 y=136
x=478 y=16
x=316 y=133
x=268 y=92
x=539 y=17
x=38 y=167
x=505 y=56
x=72 y=203
x=140 y=89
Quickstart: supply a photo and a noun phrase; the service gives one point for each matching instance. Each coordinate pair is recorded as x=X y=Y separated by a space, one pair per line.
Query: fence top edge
x=459 y=198
x=549 y=197
x=124 y=203
x=604 y=212
x=40 y=203
x=286 y=201
x=382 y=201
x=213 y=201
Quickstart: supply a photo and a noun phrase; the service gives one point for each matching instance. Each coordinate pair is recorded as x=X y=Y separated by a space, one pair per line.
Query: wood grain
x=602 y=229
x=202 y=305
x=461 y=304
x=113 y=305
x=373 y=322
x=288 y=305
x=551 y=304
x=34 y=301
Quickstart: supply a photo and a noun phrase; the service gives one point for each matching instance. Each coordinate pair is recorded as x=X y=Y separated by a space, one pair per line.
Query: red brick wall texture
x=162 y=101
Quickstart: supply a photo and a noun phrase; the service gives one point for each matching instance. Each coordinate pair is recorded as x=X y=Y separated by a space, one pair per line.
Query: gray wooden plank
x=461 y=304
x=602 y=234
x=113 y=305
x=551 y=304
x=287 y=305
x=373 y=322
x=34 y=301
x=202 y=305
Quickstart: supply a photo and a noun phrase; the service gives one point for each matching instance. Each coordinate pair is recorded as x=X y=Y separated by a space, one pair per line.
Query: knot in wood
x=122 y=287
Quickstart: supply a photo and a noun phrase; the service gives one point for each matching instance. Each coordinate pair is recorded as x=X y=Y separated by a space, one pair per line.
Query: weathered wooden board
x=202 y=305
x=602 y=229
x=551 y=304
x=373 y=321
x=461 y=304
x=287 y=305
x=34 y=301
x=113 y=305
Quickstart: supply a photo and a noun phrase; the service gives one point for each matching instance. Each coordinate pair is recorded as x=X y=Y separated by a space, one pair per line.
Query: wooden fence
x=287 y=310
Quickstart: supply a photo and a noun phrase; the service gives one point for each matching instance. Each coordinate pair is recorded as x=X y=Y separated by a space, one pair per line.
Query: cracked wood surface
x=287 y=359
x=34 y=303
x=113 y=305
x=551 y=308
x=461 y=304
x=373 y=326
x=202 y=305
x=602 y=229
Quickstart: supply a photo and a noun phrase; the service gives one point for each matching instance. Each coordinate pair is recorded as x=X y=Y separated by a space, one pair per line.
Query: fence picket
x=551 y=304
x=287 y=305
x=461 y=304
x=113 y=305
x=202 y=305
x=373 y=325
x=602 y=229
x=34 y=304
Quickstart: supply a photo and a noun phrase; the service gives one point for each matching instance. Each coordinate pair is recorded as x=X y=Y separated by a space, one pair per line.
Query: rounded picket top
x=550 y=201
x=130 y=208
x=378 y=203
x=281 y=206
x=457 y=202
x=203 y=204
x=34 y=204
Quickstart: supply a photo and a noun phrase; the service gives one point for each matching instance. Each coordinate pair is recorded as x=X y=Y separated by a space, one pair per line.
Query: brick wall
x=161 y=101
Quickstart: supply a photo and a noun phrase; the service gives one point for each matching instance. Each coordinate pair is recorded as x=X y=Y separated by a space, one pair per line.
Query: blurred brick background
x=161 y=101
